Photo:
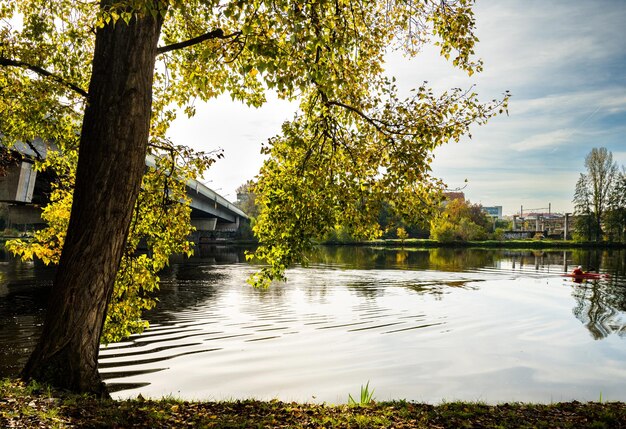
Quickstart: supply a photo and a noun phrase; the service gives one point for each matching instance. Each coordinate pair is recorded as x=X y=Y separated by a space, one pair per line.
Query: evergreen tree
x=615 y=218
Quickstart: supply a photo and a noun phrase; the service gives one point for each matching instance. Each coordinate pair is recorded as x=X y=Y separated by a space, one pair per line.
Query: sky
x=564 y=62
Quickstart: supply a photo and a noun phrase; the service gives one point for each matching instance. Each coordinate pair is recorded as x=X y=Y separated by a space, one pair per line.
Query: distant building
x=451 y=196
x=494 y=211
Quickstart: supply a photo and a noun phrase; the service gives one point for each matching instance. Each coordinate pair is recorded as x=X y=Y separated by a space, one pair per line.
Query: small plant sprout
x=367 y=396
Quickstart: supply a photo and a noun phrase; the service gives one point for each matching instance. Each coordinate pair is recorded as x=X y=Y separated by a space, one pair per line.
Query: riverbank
x=33 y=406
x=429 y=243
x=504 y=244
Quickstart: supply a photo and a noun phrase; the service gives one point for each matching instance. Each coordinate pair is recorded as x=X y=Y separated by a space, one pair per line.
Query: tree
x=402 y=234
x=353 y=141
x=584 y=223
x=615 y=217
x=246 y=199
x=388 y=222
x=460 y=221
x=161 y=221
x=593 y=189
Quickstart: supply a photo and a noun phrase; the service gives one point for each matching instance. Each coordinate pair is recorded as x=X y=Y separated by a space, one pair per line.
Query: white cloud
x=604 y=100
x=525 y=41
x=561 y=61
x=539 y=141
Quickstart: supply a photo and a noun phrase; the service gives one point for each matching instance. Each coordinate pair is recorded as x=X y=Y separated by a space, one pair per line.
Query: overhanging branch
x=374 y=122
x=7 y=62
x=215 y=34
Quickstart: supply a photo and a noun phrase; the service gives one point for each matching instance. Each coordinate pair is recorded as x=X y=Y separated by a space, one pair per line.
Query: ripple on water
x=509 y=330
x=345 y=327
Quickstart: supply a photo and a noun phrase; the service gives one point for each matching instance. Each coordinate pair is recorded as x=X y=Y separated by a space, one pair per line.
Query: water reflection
x=601 y=306
x=424 y=324
x=23 y=296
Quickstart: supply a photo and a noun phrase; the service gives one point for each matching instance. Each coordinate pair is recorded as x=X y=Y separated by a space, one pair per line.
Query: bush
x=443 y=230
x=498 y=234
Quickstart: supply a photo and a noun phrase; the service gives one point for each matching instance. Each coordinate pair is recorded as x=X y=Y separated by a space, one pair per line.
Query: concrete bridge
x=24 y=189
x=209 y=210
x=212 y=212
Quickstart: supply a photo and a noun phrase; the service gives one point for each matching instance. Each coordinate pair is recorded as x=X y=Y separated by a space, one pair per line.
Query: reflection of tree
x=615 y=262
x=601 y=307
x=24 y=292
x=318 y=293
x=192 y=281
x=452 y=259
x=348 y=256
x=183 y=287
x=401 y=257
x=366 y=290
x=460 y=259
x=590 y=259
x=444 y=259
x=439 y=289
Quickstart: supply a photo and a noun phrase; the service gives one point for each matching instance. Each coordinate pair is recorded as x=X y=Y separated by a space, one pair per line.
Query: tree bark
x=110 y=167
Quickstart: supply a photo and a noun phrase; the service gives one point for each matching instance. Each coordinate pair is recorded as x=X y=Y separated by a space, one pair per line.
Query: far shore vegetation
x=598 y=219
x=504 y=244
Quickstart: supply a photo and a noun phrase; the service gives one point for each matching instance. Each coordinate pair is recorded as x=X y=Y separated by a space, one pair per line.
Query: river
x=417 y=324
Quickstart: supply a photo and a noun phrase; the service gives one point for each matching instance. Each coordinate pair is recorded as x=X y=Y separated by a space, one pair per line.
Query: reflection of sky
x=564 y=62
x=492 y=334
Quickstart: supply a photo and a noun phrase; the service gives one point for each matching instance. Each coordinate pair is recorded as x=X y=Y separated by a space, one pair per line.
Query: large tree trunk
x=110 y=167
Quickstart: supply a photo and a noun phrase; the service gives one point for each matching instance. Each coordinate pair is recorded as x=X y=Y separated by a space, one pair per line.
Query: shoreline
x=429 y=243
x=504 y=244
x=34 y=405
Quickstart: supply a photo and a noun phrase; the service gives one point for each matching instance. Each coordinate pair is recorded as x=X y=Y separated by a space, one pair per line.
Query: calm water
x=423 y=325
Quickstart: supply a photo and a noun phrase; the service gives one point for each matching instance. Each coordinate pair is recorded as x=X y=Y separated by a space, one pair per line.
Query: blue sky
x=564 y=61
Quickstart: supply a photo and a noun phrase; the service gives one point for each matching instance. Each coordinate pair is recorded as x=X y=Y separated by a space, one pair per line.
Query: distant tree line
x=600 y=199
x=599 y=209
x=455 y=220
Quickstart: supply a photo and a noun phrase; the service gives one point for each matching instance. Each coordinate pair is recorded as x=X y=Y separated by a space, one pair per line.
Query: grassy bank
x=504 y=244
x=428 y=243
x=34 y=406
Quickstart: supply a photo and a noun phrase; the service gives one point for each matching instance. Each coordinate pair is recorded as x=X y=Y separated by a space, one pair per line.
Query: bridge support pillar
x=228 y=226
x=20 y=215
x=207 y=224
x=19 y=183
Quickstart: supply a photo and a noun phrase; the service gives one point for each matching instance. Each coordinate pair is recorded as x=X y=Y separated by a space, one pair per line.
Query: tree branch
x=34 y=149
x=7 y=62
x=374 y=122
x=215 y=34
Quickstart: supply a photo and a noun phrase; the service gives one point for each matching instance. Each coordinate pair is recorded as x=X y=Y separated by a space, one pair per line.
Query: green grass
x=507 y=244
x=36 y=406
x=366 y=397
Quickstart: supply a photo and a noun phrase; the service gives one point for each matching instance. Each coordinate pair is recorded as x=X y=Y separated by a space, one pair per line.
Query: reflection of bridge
x=25 y=190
